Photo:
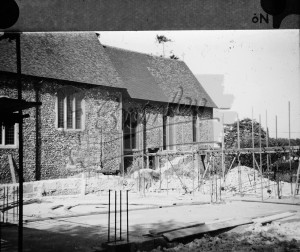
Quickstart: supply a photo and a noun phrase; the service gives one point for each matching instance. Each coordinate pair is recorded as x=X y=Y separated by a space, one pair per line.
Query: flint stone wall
x=51 y=153
x=151 y=136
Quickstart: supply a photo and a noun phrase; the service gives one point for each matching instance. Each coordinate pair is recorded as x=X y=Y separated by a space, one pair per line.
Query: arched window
x=70 y=109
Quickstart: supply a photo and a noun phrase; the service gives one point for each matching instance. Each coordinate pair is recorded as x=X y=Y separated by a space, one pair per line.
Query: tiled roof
x=77 y=57
x=133 y=69
x=158 y=79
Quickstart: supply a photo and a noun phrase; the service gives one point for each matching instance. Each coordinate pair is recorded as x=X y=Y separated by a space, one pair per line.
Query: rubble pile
x=273 y=237
x=180 y=176
x=251 y=182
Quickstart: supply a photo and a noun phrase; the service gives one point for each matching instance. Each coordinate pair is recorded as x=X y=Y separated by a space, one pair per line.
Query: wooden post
x=277 y=179
x=21 y=177
x=223 y=164
x=212 y=180
x=121 y=136
x=83 y=184
x=193 y=168
x=159 y=167
x=167 y=180
x=238 y=132
x=230 y=167
x=216 y=182
x=267 y=145
x=291 y=175
x=139 y=181
x=276 y=127
x=239 y=174
x=12 y=168
x=239 y=146
x=147 y=161
x=253 y=155
x=260 y=159
x=198 y=170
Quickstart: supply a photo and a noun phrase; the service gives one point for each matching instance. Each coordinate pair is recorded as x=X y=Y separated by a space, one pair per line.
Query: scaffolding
x=207 y=156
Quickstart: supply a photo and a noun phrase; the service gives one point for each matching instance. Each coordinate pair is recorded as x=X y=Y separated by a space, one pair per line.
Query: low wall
x=69 y=186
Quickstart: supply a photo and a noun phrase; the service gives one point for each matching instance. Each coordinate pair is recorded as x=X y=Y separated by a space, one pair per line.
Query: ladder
x=297 y=185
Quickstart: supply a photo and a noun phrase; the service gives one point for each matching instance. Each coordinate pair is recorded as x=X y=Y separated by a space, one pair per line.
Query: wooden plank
x=184 y=233
x=276 y=149
x=290 y=220
x=12 y=168
x=273 y=217
x=176 y=227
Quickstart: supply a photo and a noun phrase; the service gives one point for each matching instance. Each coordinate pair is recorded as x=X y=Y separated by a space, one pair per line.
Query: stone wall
x=51 y=153
x=56 y=153
x=69 y=186
x=152 y=132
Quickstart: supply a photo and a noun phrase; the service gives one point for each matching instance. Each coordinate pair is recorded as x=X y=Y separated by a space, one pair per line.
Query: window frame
x=16 y=139
x=74 y=97
x=169 y=124
x=128 y=115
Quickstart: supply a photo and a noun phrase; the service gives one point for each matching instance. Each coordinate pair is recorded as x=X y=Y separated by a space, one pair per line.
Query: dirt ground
x=80 y=223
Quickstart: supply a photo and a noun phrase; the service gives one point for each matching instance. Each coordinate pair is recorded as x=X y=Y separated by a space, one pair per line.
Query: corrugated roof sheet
x=158 y=79
x=72 y=56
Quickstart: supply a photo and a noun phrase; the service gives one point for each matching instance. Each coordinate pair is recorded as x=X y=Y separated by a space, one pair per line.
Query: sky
x=240 y=69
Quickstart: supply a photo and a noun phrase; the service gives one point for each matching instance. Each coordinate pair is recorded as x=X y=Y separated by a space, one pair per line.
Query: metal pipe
x=108 y=236
x=115 y=216
x=127 y=215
